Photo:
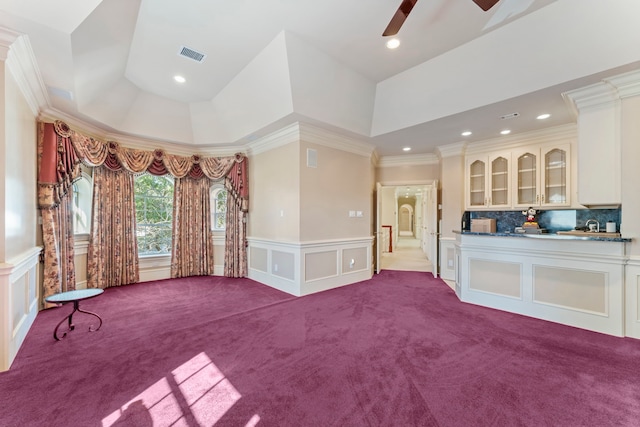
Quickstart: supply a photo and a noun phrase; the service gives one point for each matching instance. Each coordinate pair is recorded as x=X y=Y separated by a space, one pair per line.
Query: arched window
x=154 y=213
x=82 y=194
x=218 y=207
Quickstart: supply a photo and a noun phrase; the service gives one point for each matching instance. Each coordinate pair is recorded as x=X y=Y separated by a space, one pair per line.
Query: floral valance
x=63 y=149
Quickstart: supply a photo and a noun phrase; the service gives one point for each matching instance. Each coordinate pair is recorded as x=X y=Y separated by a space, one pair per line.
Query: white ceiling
x=271 y=62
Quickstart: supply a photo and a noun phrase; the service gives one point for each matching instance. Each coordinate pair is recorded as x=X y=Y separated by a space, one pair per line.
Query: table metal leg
x=69 y=318
x=93 y=314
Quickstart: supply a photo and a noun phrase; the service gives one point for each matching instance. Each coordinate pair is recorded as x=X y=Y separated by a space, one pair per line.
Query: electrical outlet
x=275 y=267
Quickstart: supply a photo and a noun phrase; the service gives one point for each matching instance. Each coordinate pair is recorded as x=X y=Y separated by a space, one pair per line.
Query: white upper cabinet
x=536 y=170
x=487 y=183
x=476 y=183
x=541 y=176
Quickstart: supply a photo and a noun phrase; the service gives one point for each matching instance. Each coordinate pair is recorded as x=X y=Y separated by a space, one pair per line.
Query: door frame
x=431 y=227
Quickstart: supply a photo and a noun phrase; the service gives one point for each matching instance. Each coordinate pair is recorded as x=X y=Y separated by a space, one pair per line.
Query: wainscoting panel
x=320 y=265
x=354 y=260
x=218 y=255
x=447 y=258
x=304 y=268
x=157 y=267
x=19 y=302
x=558 y=287
x=495 y=277
x=259 y=260
x=81 y=249
x=632 y=299
x=283 y=264
x=568 y=281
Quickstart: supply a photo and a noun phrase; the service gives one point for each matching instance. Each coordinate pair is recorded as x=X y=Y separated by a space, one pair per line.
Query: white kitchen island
x=573 y=280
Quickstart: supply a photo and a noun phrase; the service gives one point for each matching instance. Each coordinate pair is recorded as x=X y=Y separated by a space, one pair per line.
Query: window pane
x=154 y=214
x=82 y=193
x=218 y=207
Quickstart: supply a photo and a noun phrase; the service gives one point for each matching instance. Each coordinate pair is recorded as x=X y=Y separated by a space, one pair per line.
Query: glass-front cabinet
x=499 y=185
x=541 y=176
x=488 y=181
x=476 y=194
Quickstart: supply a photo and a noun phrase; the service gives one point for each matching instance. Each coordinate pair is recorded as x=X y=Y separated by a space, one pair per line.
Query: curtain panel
x=192 y=244
x=58 y=166
x=60 y=152
x=112 y=258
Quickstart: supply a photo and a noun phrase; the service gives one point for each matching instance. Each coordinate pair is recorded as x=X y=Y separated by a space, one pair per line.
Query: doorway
x=408 y=210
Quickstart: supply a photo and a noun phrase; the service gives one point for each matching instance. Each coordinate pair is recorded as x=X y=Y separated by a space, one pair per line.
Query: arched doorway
x=405 y=220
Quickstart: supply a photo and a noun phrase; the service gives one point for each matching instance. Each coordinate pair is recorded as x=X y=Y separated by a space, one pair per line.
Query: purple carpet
x=397 y=350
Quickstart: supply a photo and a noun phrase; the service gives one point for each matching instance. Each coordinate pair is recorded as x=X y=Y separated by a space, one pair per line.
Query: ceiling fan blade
x=486 y=4
x=399 y=17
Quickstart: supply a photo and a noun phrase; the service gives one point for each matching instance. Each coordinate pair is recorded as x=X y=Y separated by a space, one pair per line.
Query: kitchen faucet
x=589 y=221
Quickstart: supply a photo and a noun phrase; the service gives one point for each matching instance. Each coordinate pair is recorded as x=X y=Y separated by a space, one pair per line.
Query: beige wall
x=393 y=175
x=274 y=194
x=452 y=194
x=630 y=137
x=340 y=183
x=19 y=172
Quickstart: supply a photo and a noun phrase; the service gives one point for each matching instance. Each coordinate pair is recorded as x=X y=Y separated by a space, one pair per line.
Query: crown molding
x=593 y=96
x=22 y=65
x=408 y=160
x=320 y=136
x=300 y=131
x=283 y=136
x=627 y=84
x=7 y=38
x=451 y=150
x=129 y=141
x=547 y=135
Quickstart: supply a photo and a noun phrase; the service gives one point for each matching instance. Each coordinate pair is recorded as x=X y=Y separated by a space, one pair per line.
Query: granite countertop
x=551 y=236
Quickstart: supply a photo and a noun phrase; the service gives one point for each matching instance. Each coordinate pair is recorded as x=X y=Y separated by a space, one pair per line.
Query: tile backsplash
x=551 y=220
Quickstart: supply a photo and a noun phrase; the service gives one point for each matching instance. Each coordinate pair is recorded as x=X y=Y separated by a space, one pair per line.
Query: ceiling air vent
x=191 y=54
x=510 y=116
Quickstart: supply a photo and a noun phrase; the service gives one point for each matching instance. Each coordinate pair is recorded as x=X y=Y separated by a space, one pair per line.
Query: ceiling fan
x=406 y=6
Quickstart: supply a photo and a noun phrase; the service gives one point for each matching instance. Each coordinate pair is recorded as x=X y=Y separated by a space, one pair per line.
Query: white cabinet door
x=526 y=177
x=488 y=181
x=541 y=176
x=499 y=181
x=555 y=177
x=476 y=182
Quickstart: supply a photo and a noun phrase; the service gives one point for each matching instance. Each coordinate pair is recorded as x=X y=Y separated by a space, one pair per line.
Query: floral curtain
x=235 y=251
x=58 y=166
x=57 y=237
x=192 y=244
x=60 y=152
x=112 y=258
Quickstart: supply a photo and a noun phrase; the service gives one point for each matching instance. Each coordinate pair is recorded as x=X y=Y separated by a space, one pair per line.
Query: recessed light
x=406 y=149
x=466 y=133
x=543 y=116
x=505 y=132
x=179 y=79
x=393 y=43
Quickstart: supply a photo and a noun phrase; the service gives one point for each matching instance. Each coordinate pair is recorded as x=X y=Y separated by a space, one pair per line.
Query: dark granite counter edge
x=550 y=236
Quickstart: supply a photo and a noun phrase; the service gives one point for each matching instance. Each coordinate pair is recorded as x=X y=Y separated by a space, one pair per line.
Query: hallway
x=407 y=256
